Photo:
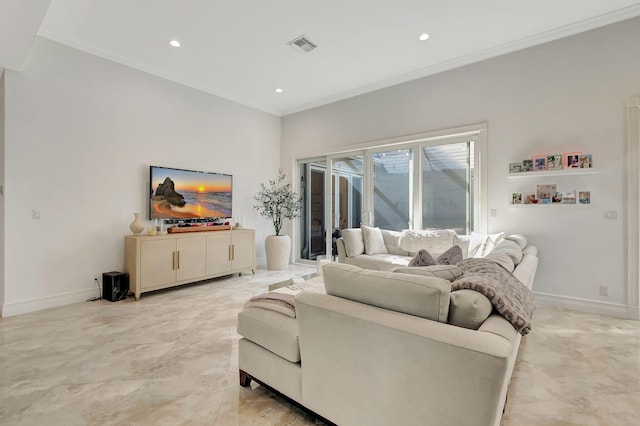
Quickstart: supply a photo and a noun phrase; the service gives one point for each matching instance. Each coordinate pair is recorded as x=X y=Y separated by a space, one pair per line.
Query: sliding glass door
x=319 y=225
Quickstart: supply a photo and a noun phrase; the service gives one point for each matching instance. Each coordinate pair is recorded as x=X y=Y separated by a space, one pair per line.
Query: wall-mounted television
x=178 y=194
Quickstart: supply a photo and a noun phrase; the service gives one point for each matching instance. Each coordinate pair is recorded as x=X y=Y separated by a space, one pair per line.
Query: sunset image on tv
x=186 y=194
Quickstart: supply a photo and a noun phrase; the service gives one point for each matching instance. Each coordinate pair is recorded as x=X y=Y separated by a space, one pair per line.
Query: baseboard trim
x=633 y=312
x=31 y=305
x=583 y=305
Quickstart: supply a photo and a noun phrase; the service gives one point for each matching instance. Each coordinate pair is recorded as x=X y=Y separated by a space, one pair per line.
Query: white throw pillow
x=392 y=241
x=353 y=243
x=510 y=248
x=483 y=244
x=373 y=240
x=520 y=239
x=434 y=241
x=463 y=241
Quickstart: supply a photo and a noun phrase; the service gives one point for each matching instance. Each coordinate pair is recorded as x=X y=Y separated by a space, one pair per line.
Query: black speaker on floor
x=115 y=286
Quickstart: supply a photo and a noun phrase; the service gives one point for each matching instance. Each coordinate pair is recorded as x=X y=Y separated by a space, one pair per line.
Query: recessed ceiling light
x=278 y=90
x=174 y=43
x=424 y=36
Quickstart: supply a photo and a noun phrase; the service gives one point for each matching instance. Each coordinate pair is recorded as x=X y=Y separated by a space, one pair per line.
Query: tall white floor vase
x=278 y=248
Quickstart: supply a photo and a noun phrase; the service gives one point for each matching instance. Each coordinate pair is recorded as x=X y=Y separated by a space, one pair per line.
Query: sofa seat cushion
x=380 y=262
x=426 y=297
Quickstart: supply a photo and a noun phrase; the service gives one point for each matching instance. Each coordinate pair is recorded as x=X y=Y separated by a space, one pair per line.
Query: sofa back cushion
x=426 y=297
x=353 y=242
x=392 y=241
x=510 y=248
x=434 y=241
x=447 y=272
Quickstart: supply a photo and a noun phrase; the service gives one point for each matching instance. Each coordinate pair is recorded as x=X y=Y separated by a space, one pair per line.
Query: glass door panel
x=392 y=188
x=312 y=222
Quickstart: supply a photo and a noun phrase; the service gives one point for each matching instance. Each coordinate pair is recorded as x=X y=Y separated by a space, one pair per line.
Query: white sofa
x=373 y=248
x=380 y=348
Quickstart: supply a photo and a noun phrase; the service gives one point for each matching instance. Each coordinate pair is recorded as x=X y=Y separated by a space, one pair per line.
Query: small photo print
x=515 y=167
x=527 y=165
x=584 y=197
x=544 y=193
x=554 y=162
x=585 y=161
x=556 y=198
x=530 y=199
x=571 y=160
x=516 y=198
x=569 y=197
x=540 y=163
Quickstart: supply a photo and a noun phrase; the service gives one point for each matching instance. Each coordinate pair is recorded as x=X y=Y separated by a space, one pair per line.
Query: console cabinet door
x=191 y=258
x=218 y=253
x=157 y=263
x=243 y=250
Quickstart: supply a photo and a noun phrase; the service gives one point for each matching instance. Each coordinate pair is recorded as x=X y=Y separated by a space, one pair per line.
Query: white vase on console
x=137 y=226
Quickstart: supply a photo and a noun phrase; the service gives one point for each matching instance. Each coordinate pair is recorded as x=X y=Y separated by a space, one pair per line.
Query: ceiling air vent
x=303 y=44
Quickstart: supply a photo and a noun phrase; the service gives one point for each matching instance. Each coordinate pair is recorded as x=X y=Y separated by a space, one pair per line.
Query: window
x=420 y=183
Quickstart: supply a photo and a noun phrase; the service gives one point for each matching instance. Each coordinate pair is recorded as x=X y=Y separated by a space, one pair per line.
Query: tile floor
x=171 y=359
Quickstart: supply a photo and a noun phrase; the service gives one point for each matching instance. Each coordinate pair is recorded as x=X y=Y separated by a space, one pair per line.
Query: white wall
x=568 y=95
x=81 y=133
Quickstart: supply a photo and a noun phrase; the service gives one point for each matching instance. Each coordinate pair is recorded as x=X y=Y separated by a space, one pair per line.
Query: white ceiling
x=237 y=49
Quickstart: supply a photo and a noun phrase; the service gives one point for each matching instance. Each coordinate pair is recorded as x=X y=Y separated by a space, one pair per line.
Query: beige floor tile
x=171 y=359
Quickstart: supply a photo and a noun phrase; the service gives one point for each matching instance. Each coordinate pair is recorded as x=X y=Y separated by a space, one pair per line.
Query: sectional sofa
x=380 y=347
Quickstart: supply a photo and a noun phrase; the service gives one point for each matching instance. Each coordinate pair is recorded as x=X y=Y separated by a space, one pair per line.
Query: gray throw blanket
x=512 y=299
x=279 y=302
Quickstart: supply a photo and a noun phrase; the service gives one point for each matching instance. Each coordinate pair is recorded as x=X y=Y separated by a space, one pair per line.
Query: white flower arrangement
x=277 y=202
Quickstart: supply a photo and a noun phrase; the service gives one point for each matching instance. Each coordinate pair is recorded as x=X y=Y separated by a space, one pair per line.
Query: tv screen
x=189 y=194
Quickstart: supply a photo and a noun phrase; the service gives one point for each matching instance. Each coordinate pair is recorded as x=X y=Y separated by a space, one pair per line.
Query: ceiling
x=238 y=49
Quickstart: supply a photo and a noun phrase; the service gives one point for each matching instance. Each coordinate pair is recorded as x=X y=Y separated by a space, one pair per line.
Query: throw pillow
x=373 y=240
x=422 y=258
x=450 y=257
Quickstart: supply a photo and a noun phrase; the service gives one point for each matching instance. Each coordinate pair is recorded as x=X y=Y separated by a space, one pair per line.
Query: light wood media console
x=162 y=261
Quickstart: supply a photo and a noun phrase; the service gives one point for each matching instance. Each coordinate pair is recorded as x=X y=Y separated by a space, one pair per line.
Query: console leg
x=245 y=379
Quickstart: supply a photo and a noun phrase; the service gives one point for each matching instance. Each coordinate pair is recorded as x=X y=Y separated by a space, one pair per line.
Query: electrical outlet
x=95 y=277
x=604 y=290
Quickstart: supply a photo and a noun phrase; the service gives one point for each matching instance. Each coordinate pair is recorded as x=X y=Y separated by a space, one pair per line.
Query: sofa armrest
x=342 y=251
x=367 y=365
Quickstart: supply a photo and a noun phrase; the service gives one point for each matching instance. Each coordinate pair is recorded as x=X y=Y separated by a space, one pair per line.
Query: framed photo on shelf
x=545 y=192
x=569 y=197
x=584 y=197
x=571 y=160
x=585 y=161
x=516 y=198
x=554 y=162
x=556 y=198
x=539 y=163
x=515 y=167
x=530 y=199
x=527 y=165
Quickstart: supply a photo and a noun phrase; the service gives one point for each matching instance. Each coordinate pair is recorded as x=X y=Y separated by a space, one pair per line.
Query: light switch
x=35 y=214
